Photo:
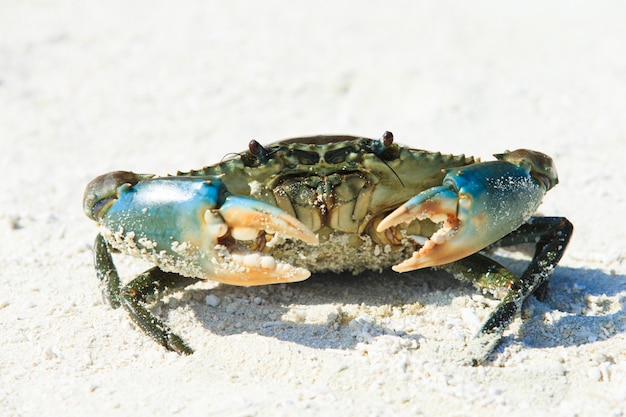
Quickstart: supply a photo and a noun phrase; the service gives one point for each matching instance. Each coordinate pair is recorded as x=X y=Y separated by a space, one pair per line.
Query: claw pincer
x=477 y=205
x=192 y=226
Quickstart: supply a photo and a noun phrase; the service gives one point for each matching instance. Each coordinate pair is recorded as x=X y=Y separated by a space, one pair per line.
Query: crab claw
x=192 y=226
x=245 y=217
x=476 y=206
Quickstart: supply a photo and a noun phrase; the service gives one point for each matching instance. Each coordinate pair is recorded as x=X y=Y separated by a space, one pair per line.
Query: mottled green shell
x=341 y=183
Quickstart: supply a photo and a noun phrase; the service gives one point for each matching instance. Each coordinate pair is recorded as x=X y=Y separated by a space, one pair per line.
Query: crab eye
x=387 y=138
x=258 y=150
x=380 y=146
x=258 y=154
x=384 y=148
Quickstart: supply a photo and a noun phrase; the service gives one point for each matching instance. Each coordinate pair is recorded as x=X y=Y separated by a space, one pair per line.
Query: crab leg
x=550 y=236
x=476 y=206
x=152 y=283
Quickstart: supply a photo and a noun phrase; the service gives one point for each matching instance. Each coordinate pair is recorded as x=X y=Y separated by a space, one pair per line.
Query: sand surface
x=88 y=87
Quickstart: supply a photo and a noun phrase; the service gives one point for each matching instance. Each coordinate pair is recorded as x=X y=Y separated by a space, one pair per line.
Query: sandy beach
x=156 y=87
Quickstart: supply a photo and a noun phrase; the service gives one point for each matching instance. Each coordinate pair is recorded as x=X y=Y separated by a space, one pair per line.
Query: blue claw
x=192 y=226
x=477 y=205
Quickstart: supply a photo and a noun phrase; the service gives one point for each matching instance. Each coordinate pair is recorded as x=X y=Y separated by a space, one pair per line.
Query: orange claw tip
x=400 y=215
x=418 y=261
x=406 y=266
x=256 y=269
x=444 y=246
x=290 y=226
x=435 y=203
x=246 y=214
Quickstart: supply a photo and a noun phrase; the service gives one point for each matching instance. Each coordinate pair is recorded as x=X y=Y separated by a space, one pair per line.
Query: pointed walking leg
x=148 y=286
x=551 y=235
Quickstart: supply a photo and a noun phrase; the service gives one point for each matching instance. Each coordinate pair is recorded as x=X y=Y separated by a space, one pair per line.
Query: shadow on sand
x=582 y=306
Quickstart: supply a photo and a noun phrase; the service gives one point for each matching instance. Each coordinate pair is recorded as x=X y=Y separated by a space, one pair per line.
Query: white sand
x=87 y=87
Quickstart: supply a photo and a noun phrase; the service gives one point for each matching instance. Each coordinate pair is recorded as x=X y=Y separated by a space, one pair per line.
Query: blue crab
x=276 y=213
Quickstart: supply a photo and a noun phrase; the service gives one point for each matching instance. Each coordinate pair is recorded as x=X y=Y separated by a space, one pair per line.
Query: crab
x=277 y=213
